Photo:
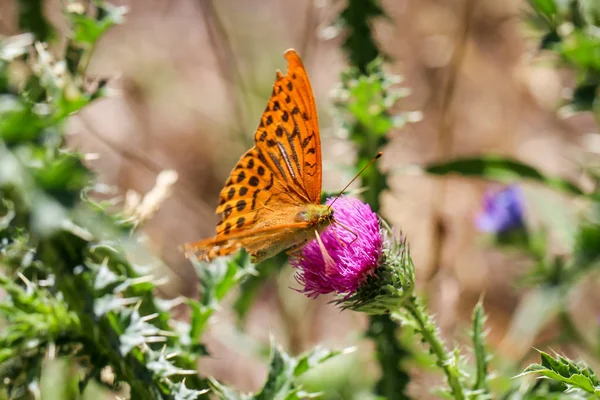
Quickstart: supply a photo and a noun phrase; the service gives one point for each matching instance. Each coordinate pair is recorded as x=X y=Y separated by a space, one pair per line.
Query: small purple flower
x=352 y=246
x=502 y=211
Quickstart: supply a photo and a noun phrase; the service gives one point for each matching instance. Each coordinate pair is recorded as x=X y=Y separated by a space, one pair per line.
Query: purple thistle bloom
x=502 y=211
x=353 y=248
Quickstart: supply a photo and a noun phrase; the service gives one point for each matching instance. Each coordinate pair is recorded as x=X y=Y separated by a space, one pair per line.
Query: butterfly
x=271 y=200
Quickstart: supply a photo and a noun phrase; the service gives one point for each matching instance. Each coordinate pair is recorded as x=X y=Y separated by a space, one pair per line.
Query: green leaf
x=586 y=252
x=280 y=379
x=584 y=96
x=181 y=392
x=88 y=30
x=499 y=168
x=313 y=358
x=32 y=19
x=481 y=357
x=390 y=354
x=200 y=316
x=250 y=287
x=566 y=371
x=547 y=8
x=225 y=393
x=217 y=278
x=359 y=43
x=582 y=50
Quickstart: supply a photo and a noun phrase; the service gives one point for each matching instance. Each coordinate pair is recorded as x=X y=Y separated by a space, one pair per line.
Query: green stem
x=430 y=335
x=571 y=333
x=389 y=352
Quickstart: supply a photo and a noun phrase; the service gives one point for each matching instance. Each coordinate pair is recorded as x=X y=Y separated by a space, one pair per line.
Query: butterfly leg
x=296 y=248
x=348 y=229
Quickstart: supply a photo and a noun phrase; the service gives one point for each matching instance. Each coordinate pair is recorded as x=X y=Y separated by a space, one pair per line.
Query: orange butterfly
x=271 y=201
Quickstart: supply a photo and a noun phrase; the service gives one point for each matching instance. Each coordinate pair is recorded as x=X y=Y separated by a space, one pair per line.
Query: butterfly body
x=271 y=201
x=314 y=218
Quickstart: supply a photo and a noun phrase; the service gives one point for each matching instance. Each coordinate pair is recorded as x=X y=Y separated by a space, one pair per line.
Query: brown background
x=191 y=79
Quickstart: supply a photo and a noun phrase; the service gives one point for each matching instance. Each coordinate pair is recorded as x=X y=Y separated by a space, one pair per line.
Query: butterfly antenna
x=357 y=175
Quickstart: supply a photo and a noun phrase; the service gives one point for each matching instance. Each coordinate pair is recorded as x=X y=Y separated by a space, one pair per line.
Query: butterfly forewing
x=288 y=134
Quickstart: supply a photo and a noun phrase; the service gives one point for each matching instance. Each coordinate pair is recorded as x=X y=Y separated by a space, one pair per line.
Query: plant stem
x=431 y=335
x=571 y=333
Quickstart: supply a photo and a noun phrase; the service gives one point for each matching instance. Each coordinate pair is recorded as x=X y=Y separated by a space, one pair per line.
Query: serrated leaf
x=217 y=278
x=500 y=168
x=225 y=393
x=200 y=316
x=279 y=379
x=250 y=287
x=481 y=356
x=563 y=370
x=554 y=364
x=313 y=358
x=180 y=392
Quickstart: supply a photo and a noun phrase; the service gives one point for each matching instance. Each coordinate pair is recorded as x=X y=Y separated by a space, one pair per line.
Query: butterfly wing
x=287 y=137
x=274 y=180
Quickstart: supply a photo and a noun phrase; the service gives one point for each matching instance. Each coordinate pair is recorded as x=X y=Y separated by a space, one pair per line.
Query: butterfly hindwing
x=245 y=200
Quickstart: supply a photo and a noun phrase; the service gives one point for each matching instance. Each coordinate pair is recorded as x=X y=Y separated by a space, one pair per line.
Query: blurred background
x=190 y=79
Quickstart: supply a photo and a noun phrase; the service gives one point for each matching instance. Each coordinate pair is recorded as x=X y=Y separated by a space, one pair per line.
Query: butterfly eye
x=303 y=216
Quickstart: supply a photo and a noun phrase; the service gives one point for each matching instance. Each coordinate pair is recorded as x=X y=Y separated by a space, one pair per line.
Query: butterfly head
x=319 y=216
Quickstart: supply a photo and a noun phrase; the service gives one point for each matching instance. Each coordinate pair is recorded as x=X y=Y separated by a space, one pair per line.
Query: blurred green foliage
x=284 y=371
x=366 y=96
x=576 y=379
x=569 y=29
x=73 y=294
x=501 y=169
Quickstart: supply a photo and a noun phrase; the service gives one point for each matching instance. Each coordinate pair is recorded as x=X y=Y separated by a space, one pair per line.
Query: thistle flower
x=502 y=212
x=356 y=260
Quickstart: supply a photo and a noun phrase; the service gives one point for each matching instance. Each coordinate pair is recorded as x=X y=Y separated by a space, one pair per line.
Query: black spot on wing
x=306 y=141
x=253 y=181
x=254 y=196
x=241 y=176
x=240 y=205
